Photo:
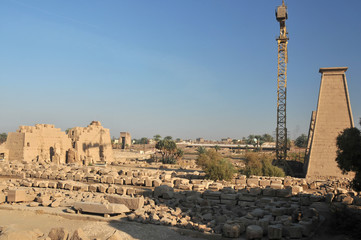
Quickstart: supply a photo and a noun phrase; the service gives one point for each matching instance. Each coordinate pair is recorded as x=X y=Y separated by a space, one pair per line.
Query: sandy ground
x=22 y=218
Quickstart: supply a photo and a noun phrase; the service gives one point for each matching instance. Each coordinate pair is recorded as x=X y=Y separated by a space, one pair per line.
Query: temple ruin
x=42 y=143
x=45 y=143
x=333 y=115
x=92 y=143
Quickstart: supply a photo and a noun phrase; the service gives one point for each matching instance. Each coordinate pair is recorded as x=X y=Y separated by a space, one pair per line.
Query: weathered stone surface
x=132 y=203
x=58 y=234
x=163 y=190
x=275 y=232
x=231 y=230
x=16 y=196
x=79 y=235
x=254 y=232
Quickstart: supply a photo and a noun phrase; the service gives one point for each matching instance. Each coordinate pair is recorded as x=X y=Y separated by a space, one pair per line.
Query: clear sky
x=185 y=68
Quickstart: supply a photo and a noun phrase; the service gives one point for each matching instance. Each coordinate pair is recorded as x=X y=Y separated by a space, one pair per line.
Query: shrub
x=215 y=167
x=261 y=165
x=220 y=170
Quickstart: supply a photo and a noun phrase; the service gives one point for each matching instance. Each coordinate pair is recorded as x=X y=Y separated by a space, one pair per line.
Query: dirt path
x=22 y=220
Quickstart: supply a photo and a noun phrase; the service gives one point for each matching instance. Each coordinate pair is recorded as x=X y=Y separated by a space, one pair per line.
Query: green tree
x=168 y=138
x=144 y=140
x=349 y=154
x=267 y=138
x=301 y=141
x=3 y=137
x=169 y=151
x=157 y=137
x=217 y=148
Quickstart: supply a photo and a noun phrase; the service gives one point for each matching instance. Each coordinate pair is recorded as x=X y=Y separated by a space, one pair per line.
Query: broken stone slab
x=100 y=208
x=132 y=203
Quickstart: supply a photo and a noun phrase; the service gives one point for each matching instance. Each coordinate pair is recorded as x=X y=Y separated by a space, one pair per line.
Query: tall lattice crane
x=281 y=130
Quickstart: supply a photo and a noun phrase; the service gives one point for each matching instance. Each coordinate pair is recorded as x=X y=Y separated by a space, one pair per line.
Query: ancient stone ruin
x=333 y=115
x=91 y=144
x=45 y=143
x=42 y=143
x=125 y=140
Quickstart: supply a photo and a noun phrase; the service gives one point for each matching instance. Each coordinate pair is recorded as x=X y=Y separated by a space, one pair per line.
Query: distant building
x=200 y=140
x=125 y=140
x=226 y=140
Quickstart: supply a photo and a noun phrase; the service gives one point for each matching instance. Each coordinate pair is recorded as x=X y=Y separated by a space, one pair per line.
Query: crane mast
x=281 y=130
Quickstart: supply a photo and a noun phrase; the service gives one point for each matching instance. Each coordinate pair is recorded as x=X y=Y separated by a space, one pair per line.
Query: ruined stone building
x=42 y=142
x=91 y=143
x=125 y=140
x=45 y=143
x=332 y=116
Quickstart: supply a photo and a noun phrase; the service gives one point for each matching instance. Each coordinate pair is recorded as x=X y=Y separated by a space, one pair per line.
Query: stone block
x=148 y=182
x=16 y=196
x=264 y=183
x=231 y=230
x=270 y=192
x=157 y=182
x=102 y=188
x=253 y=182
x=254 y=232
x=2 y=197
x=52 y=185
x=276 y=186
x=295 y=231
x=58 y=234
x=255 y=191
x=132 y=203
x=296 y=189
x=119 y=181
x=68 y=186
x=274 y=232
x=285 y=193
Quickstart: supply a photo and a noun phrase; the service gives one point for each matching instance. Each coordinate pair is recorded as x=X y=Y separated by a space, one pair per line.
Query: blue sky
x=189 y=68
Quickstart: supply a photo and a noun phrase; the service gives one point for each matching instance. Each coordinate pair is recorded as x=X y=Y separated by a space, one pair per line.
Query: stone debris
x=274 y=208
